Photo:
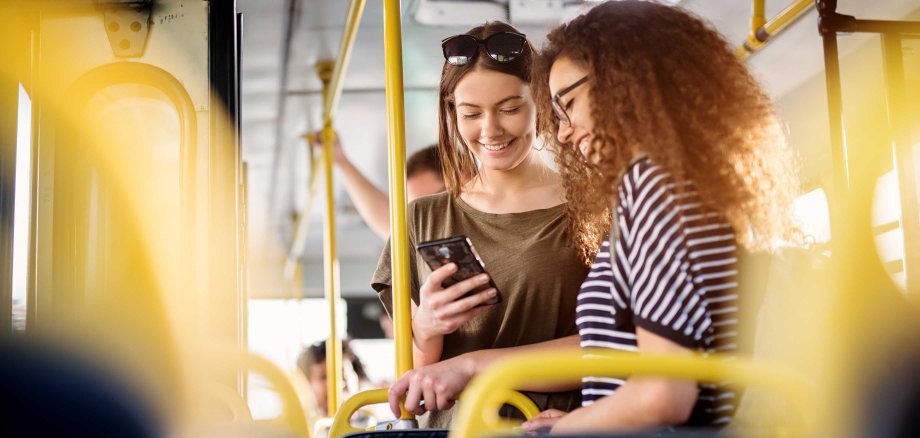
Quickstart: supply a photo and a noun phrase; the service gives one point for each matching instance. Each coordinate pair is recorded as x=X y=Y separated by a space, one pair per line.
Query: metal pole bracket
x=127 y=25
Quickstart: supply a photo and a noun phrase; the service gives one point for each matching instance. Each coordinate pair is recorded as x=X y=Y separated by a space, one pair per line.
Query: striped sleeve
x=681 y=256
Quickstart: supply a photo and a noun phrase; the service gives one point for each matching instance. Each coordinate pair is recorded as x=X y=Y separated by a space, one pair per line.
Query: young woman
x=503 y=197
x=670 y=149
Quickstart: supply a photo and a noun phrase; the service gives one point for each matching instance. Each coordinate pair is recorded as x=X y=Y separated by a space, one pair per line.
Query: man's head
x=423 y=174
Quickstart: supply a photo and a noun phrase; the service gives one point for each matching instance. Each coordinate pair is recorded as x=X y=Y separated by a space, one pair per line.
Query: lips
x=584 y=145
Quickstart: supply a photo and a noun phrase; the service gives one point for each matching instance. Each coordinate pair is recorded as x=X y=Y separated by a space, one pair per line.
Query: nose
x=564 y=132
x=491 y=126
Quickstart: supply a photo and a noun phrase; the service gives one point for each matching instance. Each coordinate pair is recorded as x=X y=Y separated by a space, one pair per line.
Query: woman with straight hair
x=672 y=161
x=511 y=205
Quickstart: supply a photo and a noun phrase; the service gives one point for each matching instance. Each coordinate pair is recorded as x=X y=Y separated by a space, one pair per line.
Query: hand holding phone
x=458 y=250
x=457 y=290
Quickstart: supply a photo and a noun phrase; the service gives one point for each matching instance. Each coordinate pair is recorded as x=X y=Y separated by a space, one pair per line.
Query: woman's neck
x=530 y=173
x=529 y=186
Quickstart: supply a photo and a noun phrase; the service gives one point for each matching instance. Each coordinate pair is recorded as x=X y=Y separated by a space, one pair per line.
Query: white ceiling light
x=458 y=13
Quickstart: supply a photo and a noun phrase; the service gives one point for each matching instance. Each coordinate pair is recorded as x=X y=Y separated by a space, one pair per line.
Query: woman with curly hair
x=672 y=161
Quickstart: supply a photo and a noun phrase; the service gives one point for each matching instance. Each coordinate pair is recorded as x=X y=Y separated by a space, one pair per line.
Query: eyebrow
x=497 y=104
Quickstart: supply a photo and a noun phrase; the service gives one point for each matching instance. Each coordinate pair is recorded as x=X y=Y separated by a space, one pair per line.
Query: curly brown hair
x=457 y=160
x=666 y=85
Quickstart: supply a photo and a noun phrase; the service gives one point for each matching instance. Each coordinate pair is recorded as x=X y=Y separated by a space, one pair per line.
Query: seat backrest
x=783 y=303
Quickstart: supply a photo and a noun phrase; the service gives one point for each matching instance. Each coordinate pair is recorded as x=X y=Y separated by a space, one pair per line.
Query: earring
x=542 y=145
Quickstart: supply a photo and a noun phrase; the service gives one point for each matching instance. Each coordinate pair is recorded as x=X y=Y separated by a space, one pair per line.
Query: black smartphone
x=459 y=250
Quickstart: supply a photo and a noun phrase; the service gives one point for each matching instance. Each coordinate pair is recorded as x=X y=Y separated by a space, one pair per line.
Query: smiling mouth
x=495 y=147
x=584 y=145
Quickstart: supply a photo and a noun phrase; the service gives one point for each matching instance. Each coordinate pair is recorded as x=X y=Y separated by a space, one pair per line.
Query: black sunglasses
x=558 y=107
x=501 y=46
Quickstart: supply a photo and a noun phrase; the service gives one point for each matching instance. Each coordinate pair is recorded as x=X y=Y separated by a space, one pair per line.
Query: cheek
x=468 y=129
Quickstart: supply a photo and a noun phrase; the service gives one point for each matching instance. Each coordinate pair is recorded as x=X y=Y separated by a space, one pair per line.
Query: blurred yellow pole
x=330 y=258
x=396 y=139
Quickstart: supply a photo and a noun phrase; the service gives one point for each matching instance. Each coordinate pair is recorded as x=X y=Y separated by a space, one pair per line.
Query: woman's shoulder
x=436 y=201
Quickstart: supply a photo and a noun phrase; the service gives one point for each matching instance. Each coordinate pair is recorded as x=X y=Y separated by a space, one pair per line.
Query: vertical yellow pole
x=330 y=259
x=396 y=139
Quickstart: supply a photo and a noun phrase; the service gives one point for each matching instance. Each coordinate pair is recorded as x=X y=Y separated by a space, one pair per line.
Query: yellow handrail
x=762 y=31
x=479 y=404
x=303 y=222
x=292 y=413
x=396 y=139
x=341 y=425
x=349 y=32
x=522 y=403
x=331 y=76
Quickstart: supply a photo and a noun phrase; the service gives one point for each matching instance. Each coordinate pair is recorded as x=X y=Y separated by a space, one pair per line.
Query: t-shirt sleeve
x=382 y=280
x=662 y=292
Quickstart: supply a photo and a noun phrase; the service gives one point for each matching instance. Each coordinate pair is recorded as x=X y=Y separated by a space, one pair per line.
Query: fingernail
x=452 y=267
x=483 y=278
x=492 y=292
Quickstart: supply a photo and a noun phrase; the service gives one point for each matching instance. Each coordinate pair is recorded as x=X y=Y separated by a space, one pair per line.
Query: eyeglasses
x=501 y=46
x=558 y=108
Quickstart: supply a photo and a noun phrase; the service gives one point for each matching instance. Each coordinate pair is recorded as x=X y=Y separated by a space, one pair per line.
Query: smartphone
x=459 y=250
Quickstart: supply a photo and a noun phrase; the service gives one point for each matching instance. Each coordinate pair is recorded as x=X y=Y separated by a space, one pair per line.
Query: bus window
x=811 y=214
x=21 y=210
x=889 y=236
x=141 y=119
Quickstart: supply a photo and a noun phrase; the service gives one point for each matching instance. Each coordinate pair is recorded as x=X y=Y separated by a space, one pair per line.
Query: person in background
x=312 y=363
x=672 y=160
x=423 y=177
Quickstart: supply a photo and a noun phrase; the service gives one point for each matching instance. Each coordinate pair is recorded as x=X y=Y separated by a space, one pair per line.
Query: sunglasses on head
x=501 y=46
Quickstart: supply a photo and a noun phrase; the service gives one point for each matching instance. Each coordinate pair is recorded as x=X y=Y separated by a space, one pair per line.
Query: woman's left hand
x=544 y=420
x=437 y=384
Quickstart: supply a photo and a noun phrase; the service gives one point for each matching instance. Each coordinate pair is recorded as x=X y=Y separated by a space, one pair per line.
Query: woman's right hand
x=442 y=311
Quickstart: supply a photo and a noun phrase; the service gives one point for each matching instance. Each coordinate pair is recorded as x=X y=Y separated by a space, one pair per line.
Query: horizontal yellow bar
x=483 y=397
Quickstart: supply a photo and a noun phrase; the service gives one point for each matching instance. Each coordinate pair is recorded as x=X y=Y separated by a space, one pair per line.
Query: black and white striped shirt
x=674 y=275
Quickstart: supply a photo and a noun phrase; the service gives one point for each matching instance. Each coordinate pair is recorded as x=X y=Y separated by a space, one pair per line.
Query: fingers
x=543 y=420
x=397 y=391
x=471 y=302
x=437 y=277
x=431 y=399
x=454 y=292
x=414 y=394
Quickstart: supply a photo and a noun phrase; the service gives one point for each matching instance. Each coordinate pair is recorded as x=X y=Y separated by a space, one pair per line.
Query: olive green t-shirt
x=532 y=261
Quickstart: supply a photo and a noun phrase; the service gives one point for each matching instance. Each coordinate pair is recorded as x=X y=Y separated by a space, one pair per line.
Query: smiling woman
x=511 y=205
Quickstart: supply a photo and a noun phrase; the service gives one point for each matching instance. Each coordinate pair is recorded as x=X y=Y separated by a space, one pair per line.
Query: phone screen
x=459 y=250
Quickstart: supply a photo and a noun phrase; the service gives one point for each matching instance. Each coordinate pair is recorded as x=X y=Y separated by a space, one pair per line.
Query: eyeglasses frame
x=558 y=108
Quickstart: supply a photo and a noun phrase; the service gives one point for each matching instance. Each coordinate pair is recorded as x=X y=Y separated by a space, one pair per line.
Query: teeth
x=495 y=147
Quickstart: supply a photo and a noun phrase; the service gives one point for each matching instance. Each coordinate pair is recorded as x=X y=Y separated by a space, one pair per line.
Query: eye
x=469 y=116
x=514 y=110
x=569 y=104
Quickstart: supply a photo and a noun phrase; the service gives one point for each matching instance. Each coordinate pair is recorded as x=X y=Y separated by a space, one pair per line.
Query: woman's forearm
x=483 y=359
x=640 y=403
x=426 y=351
x=372 y=203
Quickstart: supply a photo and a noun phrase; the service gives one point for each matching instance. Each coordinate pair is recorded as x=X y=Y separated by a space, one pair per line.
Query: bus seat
x=48 y=392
